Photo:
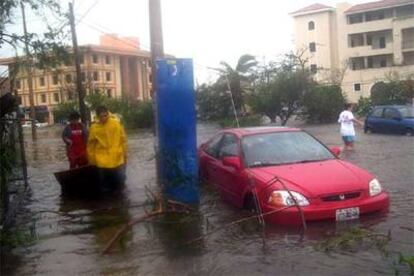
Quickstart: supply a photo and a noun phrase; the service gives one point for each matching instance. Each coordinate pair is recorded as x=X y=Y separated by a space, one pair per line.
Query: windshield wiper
x=262 y=164
x=312 y=160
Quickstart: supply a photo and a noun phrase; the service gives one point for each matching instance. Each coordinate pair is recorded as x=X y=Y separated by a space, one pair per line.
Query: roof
x=114 y=50
x=378 y=5
x=312 y=9
x=98 y=49
x=257 y=130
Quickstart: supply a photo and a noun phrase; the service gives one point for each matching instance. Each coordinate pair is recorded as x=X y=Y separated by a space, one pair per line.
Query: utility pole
x=157 y=51
x=157 y=45
x=79 y=87
x=29 y=75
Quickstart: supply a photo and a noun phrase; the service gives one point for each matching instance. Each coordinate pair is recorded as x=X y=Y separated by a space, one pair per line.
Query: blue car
x=398 y=119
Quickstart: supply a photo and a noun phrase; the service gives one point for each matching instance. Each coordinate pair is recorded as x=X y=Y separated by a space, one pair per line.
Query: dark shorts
x=348 y=138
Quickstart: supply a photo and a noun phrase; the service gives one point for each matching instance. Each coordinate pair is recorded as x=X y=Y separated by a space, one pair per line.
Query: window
x=228 y=146
x=43 y=98
x=56 y=97
x=267 y=149
x=212 y=147
x=19 y=100
x=391 y=113
x=68 y=78
x=55 y=79
x=95 y=76
x=370 y=62
x=107 y=59
x=406 y=112
x=382 y=43
x=313 y=68
x=369 y=40
x=82 y=59
x=377 y=113
x=95 y=58
x=109 y=93
x=357 y=87
x=312 y=47
x=357 y=63
x=355 y=18
x=70 y=95
x=18 y=84
x=83 y=76
x=108 y=76
x=150 y=78
x=42 y=81
x=311 y=25
x=96 y=91
x=383 y=63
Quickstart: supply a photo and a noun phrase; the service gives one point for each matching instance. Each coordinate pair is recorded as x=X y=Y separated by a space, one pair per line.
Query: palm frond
x=245 y=63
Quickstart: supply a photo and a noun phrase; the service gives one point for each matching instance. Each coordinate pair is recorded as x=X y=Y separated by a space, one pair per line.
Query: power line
x=87 y=11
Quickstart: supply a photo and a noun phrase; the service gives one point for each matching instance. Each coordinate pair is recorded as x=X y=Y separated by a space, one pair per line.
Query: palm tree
x=239 y=78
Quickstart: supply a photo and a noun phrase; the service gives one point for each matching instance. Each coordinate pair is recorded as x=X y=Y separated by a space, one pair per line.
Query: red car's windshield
x=278 y=148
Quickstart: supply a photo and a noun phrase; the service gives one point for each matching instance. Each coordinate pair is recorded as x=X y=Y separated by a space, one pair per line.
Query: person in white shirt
x=347 y=120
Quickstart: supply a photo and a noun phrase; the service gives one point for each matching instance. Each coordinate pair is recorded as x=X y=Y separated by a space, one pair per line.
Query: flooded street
x=66 y=236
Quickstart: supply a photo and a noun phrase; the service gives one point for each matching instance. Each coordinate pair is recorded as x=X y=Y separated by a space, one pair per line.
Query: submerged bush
x=245 y=121
x=134 y=114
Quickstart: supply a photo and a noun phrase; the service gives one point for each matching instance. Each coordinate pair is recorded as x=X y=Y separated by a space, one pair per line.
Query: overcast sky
x=209 y=31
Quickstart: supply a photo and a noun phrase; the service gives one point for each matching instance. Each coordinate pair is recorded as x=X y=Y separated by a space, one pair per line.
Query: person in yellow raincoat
x=107 y=149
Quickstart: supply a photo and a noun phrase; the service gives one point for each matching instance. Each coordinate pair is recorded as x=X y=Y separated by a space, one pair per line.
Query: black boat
x=90 y=180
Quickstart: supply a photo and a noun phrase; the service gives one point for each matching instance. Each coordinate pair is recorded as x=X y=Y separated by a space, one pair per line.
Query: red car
x=276 y=169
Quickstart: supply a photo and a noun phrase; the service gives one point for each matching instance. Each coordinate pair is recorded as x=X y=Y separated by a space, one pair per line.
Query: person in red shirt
x=75 y=137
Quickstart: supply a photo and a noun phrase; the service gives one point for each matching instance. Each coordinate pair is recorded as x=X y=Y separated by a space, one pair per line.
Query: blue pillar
x=177 y=143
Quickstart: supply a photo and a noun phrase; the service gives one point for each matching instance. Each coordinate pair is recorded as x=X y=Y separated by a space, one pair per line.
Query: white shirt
x=347 y=125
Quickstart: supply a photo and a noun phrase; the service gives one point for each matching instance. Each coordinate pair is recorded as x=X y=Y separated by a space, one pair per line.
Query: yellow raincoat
x=107 y=144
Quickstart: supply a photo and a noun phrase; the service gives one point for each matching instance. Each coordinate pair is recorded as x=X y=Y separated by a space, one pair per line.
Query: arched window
x=311 y=25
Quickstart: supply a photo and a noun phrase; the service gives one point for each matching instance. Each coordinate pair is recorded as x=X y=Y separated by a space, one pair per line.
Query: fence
x=13 y=167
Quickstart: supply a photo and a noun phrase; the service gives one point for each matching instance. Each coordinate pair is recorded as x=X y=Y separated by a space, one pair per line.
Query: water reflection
x=101 y=217
x=72 y=245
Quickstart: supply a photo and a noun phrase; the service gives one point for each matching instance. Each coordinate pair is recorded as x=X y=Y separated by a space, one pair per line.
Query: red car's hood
x=318 y=178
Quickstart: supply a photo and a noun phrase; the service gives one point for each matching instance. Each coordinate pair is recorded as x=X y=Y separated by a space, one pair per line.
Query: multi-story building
x=357 y=46
x=117 y=67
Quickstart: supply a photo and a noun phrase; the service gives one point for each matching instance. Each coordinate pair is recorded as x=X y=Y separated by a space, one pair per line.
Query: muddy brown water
x=56 y=244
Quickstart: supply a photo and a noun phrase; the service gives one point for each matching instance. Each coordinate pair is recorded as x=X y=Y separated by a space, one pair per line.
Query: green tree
x=213 y=102
x=239 y=78
x=393 y=92
x=62 y=111
x=266 y=100
x=47 y=48
x=323 y=103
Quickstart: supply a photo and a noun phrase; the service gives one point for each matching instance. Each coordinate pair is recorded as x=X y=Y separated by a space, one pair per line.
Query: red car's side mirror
x=336 y=151
x=232 y=161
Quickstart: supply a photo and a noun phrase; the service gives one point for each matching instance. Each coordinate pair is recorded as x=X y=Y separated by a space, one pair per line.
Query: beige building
x=116 y=68
x=358 y=45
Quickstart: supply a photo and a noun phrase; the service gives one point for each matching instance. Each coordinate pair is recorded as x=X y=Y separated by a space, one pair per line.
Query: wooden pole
x=79 y=87
x=157 y=51
x=157 y=45
x=29 y=75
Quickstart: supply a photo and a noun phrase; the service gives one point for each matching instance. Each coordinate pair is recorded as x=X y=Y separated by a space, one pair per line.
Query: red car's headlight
x=374 y=187
x=283 y=198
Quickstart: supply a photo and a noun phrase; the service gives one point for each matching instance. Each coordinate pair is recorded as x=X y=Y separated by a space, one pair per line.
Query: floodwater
x=66 y=236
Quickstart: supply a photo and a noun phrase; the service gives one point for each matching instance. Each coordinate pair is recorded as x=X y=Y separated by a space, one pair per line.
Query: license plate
x=347 y=214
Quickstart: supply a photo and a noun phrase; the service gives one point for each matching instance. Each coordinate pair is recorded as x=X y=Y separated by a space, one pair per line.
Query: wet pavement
x=66 y=236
